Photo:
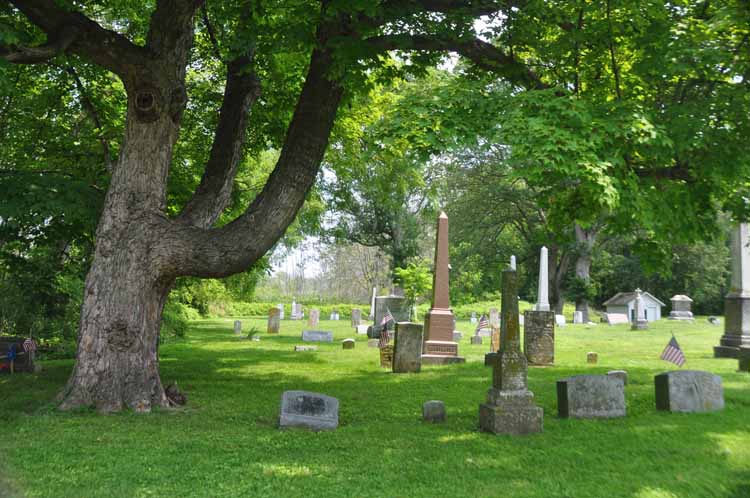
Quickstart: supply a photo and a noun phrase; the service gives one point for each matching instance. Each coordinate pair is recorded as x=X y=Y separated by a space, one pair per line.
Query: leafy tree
x=416 y=280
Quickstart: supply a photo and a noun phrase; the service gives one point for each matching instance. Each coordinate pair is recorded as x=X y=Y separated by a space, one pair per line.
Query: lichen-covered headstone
x=592 y=358
x=407 y=347
x=689 y=391
x=309 y=410
x=274 y=320
x=591 y=396
x=539 y=337
x=433 y=411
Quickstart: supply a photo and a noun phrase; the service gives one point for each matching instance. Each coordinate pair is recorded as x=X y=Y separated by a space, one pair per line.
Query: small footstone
x=305 y=348
x=592 y=358
x=620 y=374
x=433 y=411
x=476 y=339
x=348 y=343
x=372 y=343
x=689 y=391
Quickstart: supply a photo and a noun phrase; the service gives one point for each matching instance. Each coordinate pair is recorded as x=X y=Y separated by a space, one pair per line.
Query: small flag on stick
x=673 y=354
x=388 y=317
x=484 y=323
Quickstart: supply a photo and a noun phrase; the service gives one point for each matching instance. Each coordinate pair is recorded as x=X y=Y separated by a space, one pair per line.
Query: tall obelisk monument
x=439 y=346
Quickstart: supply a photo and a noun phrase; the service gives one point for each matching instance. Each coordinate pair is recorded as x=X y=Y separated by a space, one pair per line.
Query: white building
x=624 y=302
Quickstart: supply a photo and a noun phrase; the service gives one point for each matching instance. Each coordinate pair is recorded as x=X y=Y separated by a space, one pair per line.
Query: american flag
x=484 y=323
x=673 y=353
x=387 y=318
x=385 y=338
x=29 y=345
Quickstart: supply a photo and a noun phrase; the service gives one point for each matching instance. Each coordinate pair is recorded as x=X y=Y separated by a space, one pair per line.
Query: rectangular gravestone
x=237 y=327
x=591 y=396
x=578 y=317
x=308 y=410
x=281 y=311
x=560 y=320
x=616 y=318
x=357 y=317
x=317 y=336
x=274 y=321
x=314 y=319
x=689 y=391
x=407 y=347
x=539 y=337
x=362 y=329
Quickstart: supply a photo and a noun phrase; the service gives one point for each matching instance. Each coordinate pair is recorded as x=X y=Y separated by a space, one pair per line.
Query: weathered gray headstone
x=476 y=339
x=592 y=358
x=457 y=336
x=274 y=321
x=433 y=411
x=578 y=317
x=237 y=327
x=539 y=337
x=681 y=308
x=314 y=319
x=407 y=347
x=689 y=391
x=591 y=396
x=398 y=307
x=348 y=343
x=305 y=348
x=357 y=318
x=621 y=374
x=309 y=410
x=317 y=336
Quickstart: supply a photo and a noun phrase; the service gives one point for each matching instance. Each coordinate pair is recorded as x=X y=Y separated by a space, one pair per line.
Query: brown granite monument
x=439 y=346
x=510 y=407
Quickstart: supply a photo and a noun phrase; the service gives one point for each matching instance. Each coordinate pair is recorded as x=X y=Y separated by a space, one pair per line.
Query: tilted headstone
x=616 y=318
x=592 y=358
x=681 y=305
x=591 y=396
x=510 y=407
x=274 y=321
x=620 y=374
x=314 y=319
x=317 y=336
x=689 y=391
x=737 y=301
x=357 y=317
x=348 y=343
x=577 y=317
x=309 y=410
x=237 y=327
x=560 y=320
x=539 y=337
x=433 y=411
x=407 y=347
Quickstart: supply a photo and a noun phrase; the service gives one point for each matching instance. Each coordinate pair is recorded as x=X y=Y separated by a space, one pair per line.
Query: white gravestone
x=542 y=303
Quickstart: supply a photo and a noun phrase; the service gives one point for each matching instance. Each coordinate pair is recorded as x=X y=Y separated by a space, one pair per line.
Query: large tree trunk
x=585 y=242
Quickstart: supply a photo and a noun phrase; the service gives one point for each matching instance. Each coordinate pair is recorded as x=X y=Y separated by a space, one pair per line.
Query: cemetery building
x=624 y=303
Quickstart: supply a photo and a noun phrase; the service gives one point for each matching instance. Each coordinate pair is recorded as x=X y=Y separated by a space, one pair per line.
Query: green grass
x=225 y=442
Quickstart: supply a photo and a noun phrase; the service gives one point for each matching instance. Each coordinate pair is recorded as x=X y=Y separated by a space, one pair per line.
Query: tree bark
x=585 y=239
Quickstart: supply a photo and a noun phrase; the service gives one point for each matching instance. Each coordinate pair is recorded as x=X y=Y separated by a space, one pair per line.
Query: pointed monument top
x=443 y=215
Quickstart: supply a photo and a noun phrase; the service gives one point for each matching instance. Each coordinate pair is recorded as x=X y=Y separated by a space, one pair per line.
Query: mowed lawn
x=225 y=442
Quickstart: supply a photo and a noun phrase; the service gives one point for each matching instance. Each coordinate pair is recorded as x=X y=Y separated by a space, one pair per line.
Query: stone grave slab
x=591 y=396
x=616 y=318
x=309 y=410
x=689 y=391
x=317 y=336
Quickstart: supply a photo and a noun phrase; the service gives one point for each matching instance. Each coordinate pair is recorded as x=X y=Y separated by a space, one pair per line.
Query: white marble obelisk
x=512 y=262
x=542 y=302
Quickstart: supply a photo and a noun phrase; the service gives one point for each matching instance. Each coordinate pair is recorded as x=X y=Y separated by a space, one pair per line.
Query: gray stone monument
x=317 y=336
x=237 y=327
x=274 y=321
x=591 y=396
x=433 y=411
x=681 y=308
x=308 y=410
x=737 y=301
x=510 y=407
x=407 y=347
x=398 y=308
x=314 y=319
x=689 y=391
x=539 y=337
x=356 y=317
x=542 y=303
x=640 y=322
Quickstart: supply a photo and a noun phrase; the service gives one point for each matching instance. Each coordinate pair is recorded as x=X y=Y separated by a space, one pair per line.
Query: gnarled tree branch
x=33 y=55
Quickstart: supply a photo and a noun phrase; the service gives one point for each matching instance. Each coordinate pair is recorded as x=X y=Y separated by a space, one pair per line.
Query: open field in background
x=225 y=443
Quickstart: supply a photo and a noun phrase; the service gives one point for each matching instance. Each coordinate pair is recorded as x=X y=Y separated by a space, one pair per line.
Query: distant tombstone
x=473 y=318
x=348 y=343
x=689 y=391
x=591 y=396
x=640 y=322
x=560 y=320
x=616 y=318
x=539 y=337
x=681 y=308
x=476 y=340
x=281 y=311
x=295 y=315
x=274 y=321
x=372 y=343
x=457 y=336
x=407 y=347
x=357 y=317
x=237 y=327
x=309 y=410
x=334 y=315
x=620 y=374
x=433 y=411
x=314 y=319
x=362 y=329
x=592 y=358
x=317 y=336
x=577 y=317
x=305 y=348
